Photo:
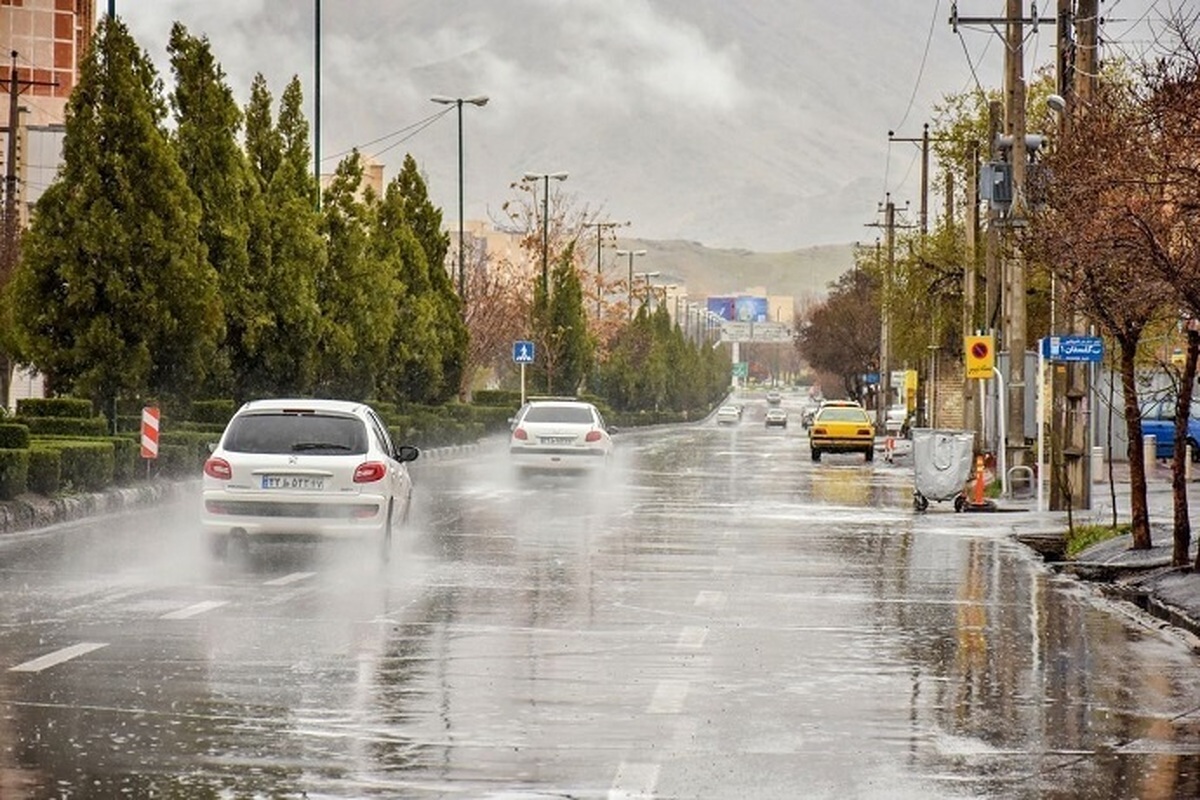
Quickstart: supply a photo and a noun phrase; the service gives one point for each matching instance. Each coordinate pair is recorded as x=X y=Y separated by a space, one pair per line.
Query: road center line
x=692 y=637
x=195 y=610
x=58 y=657
x=669 y=697
x=634 y=781
x=295 y=577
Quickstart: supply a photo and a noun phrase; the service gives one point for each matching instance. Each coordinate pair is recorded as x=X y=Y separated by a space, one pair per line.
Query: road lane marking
x=711 y=599
x=669 y=697
x=293 y=578
x=58 y=657
x=692 y=638
x=195 y=610
x=634 y=781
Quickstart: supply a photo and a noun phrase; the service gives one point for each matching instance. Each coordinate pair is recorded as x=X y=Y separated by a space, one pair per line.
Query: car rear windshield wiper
x=300 y=446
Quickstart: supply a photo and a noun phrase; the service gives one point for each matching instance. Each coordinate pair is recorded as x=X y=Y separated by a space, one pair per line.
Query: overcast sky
x=760 y=124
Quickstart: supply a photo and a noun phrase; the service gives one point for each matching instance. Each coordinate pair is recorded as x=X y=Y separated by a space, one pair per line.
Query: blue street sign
x=1073 y=348
x=523 y=352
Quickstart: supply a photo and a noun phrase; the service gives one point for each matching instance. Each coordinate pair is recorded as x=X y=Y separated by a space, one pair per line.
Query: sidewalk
x=1144 y=577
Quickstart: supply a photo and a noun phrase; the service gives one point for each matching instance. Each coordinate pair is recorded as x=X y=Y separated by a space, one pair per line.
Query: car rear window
x=313 y=434
x=843 y=415
x=574 y=414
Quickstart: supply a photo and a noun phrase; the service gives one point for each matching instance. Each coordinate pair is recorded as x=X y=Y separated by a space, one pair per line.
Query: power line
x=419 y=125
x=924 y=58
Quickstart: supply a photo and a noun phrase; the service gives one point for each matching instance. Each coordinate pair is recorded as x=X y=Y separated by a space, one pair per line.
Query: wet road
x=716 y=618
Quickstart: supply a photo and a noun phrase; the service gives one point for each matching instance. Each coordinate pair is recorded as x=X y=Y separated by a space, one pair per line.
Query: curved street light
x=478 y=100
x=545 y=178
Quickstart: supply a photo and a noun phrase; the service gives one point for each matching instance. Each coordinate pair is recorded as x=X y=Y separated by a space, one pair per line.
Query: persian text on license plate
x=558 y=440
x=292 y=482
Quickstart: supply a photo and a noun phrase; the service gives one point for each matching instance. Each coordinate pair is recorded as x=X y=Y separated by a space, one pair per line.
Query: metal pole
x=316 y=101
x=546 y=237
x=462 y=274
x=630 y=292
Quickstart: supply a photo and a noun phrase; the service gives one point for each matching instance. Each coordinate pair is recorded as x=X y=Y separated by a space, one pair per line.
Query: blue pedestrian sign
x=1073 y=348
x=523 y=352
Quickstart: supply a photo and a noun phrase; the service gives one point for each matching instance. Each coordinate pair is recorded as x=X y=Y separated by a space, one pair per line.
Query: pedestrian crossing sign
x=523 y=352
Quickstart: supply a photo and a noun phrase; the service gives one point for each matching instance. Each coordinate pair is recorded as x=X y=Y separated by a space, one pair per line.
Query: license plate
x=292 y=482
x=558 y=440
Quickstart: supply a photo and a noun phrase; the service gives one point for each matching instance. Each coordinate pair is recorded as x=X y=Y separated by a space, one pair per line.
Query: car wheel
x=816 y=454
x=869 y=454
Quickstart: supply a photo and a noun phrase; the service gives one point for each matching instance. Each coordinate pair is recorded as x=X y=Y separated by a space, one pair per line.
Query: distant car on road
x=842 y=426
x=305 y=469
x=558 y=435
x=729 y=415
x=774 y=397
x=776 y=418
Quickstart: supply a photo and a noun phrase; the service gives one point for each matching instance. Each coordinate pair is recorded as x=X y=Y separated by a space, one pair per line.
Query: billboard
x=742 y=308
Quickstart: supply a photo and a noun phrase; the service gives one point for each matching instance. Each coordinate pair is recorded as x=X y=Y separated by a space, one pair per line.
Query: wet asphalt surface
x=715 y=617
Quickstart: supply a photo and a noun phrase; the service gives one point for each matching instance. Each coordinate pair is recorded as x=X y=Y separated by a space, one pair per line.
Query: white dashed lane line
x=195 y=610
x=669 y=697
x=634 y=781
x=295 y=577
x=692 y=638
x=58 y=657
x=710 y=599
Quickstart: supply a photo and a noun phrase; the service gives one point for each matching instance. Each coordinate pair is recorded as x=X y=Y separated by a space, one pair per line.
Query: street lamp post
x=631 y=254
x=650 y=296
x=545 y=178
x=478 y=100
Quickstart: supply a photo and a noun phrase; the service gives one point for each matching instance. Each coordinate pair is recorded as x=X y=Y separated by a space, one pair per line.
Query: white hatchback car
x=305 y=469
x=559 y=435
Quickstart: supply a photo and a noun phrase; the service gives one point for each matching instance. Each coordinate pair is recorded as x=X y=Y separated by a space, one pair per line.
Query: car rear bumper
x=842 y=445
x=295 y=515
x=558 y=458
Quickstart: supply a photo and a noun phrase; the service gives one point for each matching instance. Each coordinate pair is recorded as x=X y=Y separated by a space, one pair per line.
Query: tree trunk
x=1183 y=405
x=6 y=374
x=1138 y=511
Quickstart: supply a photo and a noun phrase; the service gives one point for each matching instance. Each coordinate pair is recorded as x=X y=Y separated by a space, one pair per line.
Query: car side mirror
x=612 y=429
x=406 y=452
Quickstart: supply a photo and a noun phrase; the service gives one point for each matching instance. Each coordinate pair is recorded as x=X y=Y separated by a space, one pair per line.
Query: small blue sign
x=1073 y=348
x=871 y=378
x=523 y=352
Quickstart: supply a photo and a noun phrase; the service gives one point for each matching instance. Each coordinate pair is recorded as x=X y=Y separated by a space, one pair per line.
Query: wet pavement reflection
x=716 y=616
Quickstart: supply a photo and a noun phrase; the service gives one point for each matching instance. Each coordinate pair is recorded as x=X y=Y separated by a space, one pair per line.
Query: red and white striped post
x=150 y=418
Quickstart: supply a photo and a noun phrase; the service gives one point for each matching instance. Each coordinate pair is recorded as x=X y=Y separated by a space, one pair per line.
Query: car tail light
x=592 y=436
x=370 y=471
x=520 y=433
x=819 y=431
x=218 y=468
x=864 y=431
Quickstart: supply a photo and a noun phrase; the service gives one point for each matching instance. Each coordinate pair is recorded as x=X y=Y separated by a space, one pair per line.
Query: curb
x=31 y=512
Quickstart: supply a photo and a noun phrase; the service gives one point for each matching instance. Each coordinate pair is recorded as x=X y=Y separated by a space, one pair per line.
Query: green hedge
x=497 y=397
x=66 y=426
x=14 y=473
x=54 y=407
x=127 y=458
x=45 y=470
x=193 y=443
x=213 y=412
x=87 y=466
x=14 y=436
x=177 y=461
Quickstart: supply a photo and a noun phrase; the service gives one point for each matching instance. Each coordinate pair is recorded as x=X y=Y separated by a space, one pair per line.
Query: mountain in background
x=707 y=271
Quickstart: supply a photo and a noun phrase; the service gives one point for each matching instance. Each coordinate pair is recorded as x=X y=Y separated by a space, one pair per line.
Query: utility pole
x=1014 y=122
x=971 y=416
x=600 y=226
x=883 y=397
x=1071 y=412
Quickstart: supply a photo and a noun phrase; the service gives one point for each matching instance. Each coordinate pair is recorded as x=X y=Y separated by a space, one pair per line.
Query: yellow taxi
x=842 y=426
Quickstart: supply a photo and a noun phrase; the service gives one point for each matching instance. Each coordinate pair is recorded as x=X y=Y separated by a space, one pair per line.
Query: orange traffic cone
x=979 y=482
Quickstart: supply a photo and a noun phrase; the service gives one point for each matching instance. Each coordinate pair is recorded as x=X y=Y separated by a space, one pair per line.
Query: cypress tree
x=116 y=294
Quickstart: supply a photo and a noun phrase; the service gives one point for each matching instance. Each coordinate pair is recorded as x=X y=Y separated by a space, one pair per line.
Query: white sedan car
x=305 y=469
x=555 y=435
x=729 y=415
